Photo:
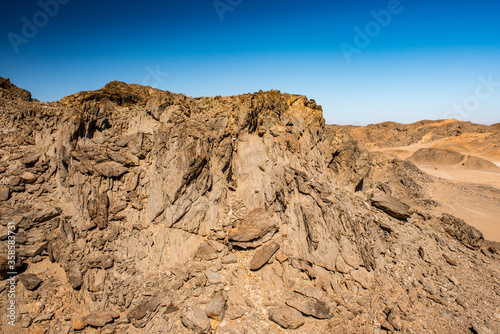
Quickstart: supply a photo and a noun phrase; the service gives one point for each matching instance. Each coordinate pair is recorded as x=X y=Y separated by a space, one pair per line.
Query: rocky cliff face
x=143 y=211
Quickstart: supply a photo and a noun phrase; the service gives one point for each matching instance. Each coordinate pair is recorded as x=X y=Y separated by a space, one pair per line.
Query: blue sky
x=424 y=60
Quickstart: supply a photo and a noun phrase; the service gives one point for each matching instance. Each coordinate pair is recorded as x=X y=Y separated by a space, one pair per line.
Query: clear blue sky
x=421 y=64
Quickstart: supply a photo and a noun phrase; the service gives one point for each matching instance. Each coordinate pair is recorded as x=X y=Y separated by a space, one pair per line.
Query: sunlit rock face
x=139 y=210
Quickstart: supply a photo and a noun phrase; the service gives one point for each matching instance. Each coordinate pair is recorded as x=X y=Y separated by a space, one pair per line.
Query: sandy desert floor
x=477 y=200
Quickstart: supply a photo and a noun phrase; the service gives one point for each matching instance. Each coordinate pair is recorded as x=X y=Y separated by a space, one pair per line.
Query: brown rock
x=450 y=260
x=32 y=250
x=29 y=177
x=78 y=323
x=392 y=206
x=363 y=277
x=4 y=193
x=341 y=266
x=102 y=211
x=262 y=255
x=30 y=281
x=281 y=256
x=286 y=317
x=126 y=159
x=206 y=252
x=309 y=291
x=110 y=169
x=217 y=307
x=195 y=319
x=98 y=319
x=147 y=306
x=468 y=235
x=74 y=276
x=30 y=159
x=310 y=306
x=229 y=259
x=256 y=225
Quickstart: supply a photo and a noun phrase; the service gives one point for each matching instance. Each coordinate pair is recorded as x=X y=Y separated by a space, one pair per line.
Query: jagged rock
x=341 y=266
x=74 y=276
x=286 y=317
x=429 y=286
x=253 y=230
x=281 y=256
x=229 y=259
x=30 y=159
x=110 y=169
x=206 y=252
x=6 y=267
x=97 y=260
x=363 y=277
x=219 y=247
x=146 y=307
x=217 y=307
x=99 y=319
x=94 y=280
x=32 y=250
x=4 y=193
x=78 y=323
x=126 y=159
x=39 y=216
x=30 y=281
x=195 y=319
x=117 y=206
x=262 y=255
x=235 y=312
x=98 y=210
x=394 y=318
x=43 y=317
x=213 y=277
x=310 y=306
x=392 y=206
x=466 y=234
x=309 y=291
x=29 y=177
x=190 y=171
x=450 y=260
x=10 y=91
x=25 y=321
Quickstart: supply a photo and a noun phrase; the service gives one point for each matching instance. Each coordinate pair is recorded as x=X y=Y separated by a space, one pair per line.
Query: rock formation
x=143 y=211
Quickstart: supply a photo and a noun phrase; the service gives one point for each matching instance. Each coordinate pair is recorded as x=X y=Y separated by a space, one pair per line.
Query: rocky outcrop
x=138 y=210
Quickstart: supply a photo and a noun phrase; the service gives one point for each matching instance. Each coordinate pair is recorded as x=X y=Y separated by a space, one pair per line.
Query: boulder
x=98 y=210
x=29 y=177
x=195 y=319
x=74 y=276
x=206 y=252
x=30 y=281
x=110 y=169
x=466 y=234
x=257 y=227
x=392 y=206
x=286 y=317
x=147 y=306
x=217 y=307
x=310 y=306
x=4 y=193
x=262 y=255
x=98 y=319
x=363 y=277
